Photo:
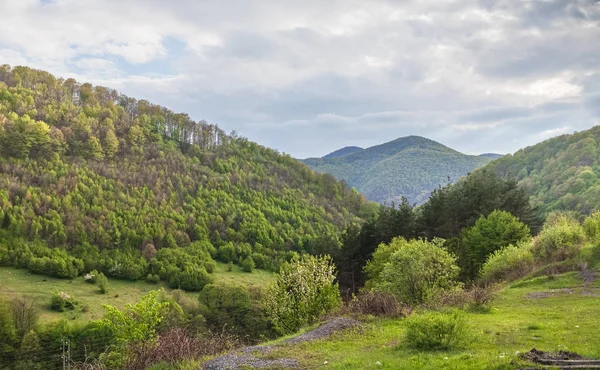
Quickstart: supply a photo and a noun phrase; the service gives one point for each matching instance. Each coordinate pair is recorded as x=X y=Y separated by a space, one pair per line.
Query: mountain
x=94 y=179
x=344 y=151
x=559 y=173
x=410 y=166
x=491 y=156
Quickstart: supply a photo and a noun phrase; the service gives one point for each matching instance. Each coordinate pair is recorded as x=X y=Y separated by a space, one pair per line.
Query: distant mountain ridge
x=411 y=166
x=344 y=151
x=491 y=156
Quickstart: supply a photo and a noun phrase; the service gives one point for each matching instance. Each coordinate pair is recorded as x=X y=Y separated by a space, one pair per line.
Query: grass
x=19 y=282
x=565 y=320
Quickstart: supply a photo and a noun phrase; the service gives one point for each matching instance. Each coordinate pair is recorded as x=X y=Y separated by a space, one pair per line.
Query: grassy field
x=19 y=282
x=563 y=317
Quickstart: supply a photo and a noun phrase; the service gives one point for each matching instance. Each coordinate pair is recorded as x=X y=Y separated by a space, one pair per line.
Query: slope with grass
x=563 y=318
x=559 y=173
x=411 y=166
x=21 y=283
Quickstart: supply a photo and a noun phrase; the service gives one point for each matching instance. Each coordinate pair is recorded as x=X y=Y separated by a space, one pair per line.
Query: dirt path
x=244 y=358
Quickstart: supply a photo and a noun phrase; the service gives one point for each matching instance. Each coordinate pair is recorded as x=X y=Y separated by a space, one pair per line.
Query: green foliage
x=8 y=335
x=103 y=284
x=410 y=166
x=437 y=331
x=92 y=179
x=232 y=307
x=62 y=301
x=136 y=323
x=508 y=263
x=153 y=278
x=591 y=226
x=413 y=271
x=559 y=173
x=489 y=234
x=304 y=290
x=248 y=264
x=561 y=238
x=91 y=277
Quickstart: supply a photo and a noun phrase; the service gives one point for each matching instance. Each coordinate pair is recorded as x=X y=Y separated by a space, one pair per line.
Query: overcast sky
x=310 y=76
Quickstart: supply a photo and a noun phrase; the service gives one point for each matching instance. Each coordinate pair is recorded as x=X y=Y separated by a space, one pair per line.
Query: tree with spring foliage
x=305 y=289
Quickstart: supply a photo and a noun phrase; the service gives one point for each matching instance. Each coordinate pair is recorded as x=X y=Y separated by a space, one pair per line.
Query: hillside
x=559 y=173
x=94 y=179
x=410 y=166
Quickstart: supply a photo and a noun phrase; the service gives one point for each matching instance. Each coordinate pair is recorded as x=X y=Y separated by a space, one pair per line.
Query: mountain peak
x=343 y=151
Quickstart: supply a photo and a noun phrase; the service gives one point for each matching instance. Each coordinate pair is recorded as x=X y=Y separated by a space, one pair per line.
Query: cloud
x=308 y=77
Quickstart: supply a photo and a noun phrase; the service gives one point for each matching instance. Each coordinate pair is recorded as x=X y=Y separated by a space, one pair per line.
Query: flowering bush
x=304 y=290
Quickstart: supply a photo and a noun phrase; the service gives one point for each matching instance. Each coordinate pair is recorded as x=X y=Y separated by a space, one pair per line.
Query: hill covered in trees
x=410 y=167
x=559 y=173
x=91 y=179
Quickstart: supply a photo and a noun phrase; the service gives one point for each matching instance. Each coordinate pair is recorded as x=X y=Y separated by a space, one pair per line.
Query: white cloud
x=330 y=73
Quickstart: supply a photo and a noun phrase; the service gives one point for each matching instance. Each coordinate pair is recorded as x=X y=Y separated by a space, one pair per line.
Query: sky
x=307 y=77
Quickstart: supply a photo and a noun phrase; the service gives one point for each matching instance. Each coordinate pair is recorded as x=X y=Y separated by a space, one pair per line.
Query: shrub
x=304 y=290
x=376 y=304
x=416 y=272
x=248 y=264
x=489 y=234
x=507 y=264
x=91 y=277
x=62 y=301
x=475 y=298
x=560 y=239
x=136 y=323
x=153 y=278
x=210 y=266
x=437 y=331
x=103 y=283
x=591 y=226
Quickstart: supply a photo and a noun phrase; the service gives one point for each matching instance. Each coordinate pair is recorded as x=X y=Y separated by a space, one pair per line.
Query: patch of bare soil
x=561 y=359
x=245 y=358
x=550 y=293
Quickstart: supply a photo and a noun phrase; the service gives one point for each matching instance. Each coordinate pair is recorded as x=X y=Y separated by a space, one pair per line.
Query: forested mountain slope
x=410 y=166
x=93 y=179
x=559 y=173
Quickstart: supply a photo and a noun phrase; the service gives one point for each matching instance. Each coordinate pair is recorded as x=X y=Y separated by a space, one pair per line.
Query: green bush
x=91 y=277
x=415 y=272
x=103 y=283
x=248 y=264
x=509 y=263
x=210 y=266
x=304 y=290
x=62 y=301
x=489 y=234
x=591 y=226
x=153 y=278
x=437 y=331
x=561 y=238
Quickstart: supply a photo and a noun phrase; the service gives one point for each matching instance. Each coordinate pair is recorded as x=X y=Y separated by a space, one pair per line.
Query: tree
x=489 y=234
x=304 y=290
x=24 y=315
x=8 y=335
x=136 y=323
x=248 y=264
x=416 y=272
x=103 y=283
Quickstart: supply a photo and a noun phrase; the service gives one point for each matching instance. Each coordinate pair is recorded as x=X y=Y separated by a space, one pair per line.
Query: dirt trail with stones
x=245 y=358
